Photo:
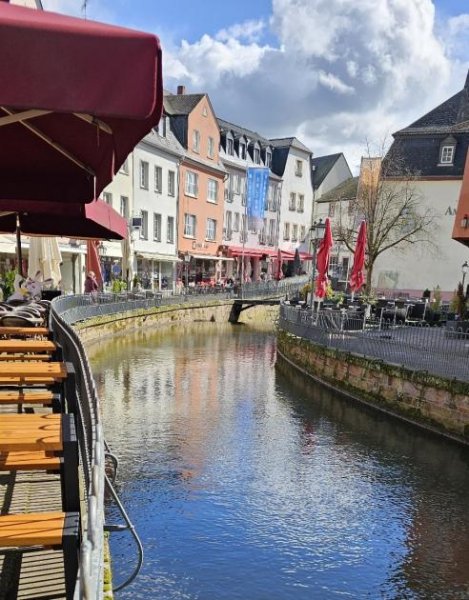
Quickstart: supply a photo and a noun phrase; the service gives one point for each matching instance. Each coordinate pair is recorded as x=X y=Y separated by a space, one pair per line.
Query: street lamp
x=316 y=235
x=464 y=269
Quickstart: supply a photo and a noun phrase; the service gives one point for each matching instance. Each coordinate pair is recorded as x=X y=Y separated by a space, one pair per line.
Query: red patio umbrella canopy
x=75 y=98
x=97 y=220
x=322 y=263
x=357 y=278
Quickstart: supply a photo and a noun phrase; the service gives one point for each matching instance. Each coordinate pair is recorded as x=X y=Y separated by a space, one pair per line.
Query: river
x=246 y=481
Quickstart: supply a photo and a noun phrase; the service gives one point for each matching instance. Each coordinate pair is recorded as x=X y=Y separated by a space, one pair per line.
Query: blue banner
x=256 y=192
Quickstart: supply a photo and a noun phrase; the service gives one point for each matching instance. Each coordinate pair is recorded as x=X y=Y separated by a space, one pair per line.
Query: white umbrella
x=44 y=260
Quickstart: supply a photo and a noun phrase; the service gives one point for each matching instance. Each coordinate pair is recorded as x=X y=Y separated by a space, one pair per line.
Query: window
x=299 y=168
x=331 y=209
x=292 y=205
x=196 y=141
x=272 y=225
x=210 y=147
x=192 y=188
x=170 y=230
x=158 y=180
x=257 y=156
x=286 y=231
x=302 y=233
x=125 y=167
x=447 y=155
x=229 y=146
x=144 y=228
x=268 y=159
x=228 y=230
x=344 y=275
x=268 y=197
x=171 y=183
x=144 y=174
x=294 y=233
x=242 y=151
x=189 y=225
x=124 y=207
x=204 y=111
x=236 y=222
x=243 y=235
x=212 y=191
x=107 y=197
x=301 y=203
x=211 y=232
x=156 y=227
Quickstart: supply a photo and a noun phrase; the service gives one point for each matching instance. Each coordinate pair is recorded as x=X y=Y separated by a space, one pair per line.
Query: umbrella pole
x=19 y=256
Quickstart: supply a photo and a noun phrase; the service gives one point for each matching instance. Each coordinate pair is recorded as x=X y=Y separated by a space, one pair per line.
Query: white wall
x=339 y=173
x=419 y=267
x=298 y=185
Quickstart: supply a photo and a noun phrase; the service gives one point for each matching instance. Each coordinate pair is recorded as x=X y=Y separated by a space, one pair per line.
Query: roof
x=181 y=104
x=451 y=115
x=416 y=148
x=169 y=142
x=347 y=190
x=287 y=142
x=241 y=131
x=322 y=165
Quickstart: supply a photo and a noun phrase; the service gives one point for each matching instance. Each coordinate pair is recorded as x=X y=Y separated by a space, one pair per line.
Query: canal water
x=246 y=481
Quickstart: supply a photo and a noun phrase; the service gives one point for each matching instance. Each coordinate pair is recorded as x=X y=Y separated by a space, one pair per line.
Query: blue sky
x=338 y=74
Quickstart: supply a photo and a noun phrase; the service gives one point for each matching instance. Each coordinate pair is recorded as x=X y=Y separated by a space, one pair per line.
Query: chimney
x=181 y=90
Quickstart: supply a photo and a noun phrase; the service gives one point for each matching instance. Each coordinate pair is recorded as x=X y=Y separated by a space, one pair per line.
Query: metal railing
x=414 y=345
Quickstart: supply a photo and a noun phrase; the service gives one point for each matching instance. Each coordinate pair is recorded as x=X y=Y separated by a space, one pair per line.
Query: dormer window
x=447 y=155
x=268 y=159
x=257 y=156
x=229 y=146
x=242 y=151
x=447 y=150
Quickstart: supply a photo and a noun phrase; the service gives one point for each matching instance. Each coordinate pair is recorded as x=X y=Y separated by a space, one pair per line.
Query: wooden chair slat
x=34 y=529
x=28 y=461
x=20 y=397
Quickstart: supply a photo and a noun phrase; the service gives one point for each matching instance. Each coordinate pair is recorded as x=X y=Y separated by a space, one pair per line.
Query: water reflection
x=246 y=481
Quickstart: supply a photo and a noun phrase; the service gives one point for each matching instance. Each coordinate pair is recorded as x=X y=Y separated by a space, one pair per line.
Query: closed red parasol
x=92 y=261
x=76 y=96
x=357 y=278
x=322 y=263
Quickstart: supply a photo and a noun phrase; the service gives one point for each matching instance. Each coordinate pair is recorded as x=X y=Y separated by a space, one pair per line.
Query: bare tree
x=394 y=210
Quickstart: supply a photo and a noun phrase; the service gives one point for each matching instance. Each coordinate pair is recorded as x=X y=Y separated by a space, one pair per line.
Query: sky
x=340 y=75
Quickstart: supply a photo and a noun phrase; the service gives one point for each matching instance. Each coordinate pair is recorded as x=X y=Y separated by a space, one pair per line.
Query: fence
x=414 y=345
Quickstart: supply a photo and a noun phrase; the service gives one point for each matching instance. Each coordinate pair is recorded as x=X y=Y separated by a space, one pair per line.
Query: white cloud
x=341 y=72
x=459 y=24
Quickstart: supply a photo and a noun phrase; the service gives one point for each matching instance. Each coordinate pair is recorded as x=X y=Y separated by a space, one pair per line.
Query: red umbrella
x=96 y=220
x=357 y=278
x=322 y=263
x=76 y=96
x=92 y=261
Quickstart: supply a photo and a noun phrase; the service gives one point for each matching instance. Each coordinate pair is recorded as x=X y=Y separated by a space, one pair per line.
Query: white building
x=155 y=193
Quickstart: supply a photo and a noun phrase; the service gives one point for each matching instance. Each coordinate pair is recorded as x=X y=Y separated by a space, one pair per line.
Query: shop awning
x=157 y=257
x=236 y=251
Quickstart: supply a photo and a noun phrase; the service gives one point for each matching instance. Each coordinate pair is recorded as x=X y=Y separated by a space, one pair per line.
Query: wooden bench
x=20 y=397
x=45 y=530
x=50 y=434
x=12 y=332
x=29 y=346
x=30 y=461
x=23 y=374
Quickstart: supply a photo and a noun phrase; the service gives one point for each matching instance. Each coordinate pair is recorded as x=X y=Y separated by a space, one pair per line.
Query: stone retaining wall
x=438 y=404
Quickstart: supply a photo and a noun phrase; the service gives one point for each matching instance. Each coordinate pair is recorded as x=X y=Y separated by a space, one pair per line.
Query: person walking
x=91 y=285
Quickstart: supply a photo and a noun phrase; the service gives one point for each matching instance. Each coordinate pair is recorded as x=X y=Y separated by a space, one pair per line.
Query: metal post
x=313 y=275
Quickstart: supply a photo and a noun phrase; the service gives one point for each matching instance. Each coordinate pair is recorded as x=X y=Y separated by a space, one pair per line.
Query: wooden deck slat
x=34 y=529
x=55 y=370
x=25 y=357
